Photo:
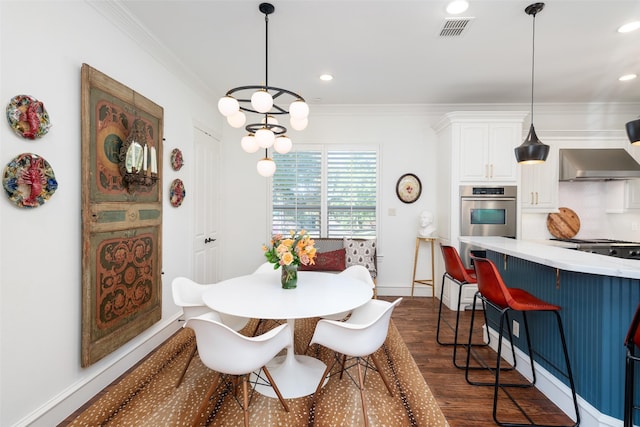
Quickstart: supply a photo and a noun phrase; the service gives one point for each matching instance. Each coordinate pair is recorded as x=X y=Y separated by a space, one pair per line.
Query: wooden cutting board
x=563 y=225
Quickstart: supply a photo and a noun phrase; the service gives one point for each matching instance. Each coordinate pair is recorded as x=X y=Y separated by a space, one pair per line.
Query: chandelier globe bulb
x=261 y=101
x=266 y=167
x=249 y=143
x=299 y=109
x=265 y=138
x=228 y=105
x=282 y=144
x=299 y=124
x=237 y=119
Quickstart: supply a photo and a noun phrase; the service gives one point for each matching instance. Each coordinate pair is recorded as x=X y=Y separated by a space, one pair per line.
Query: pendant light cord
x=533 y=62
x=266 y=51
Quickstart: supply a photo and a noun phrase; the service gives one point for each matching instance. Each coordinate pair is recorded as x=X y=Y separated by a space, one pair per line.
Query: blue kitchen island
x=598 y=295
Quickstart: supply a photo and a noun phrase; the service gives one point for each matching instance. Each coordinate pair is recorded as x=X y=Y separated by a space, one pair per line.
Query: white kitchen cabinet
x=539 y=185
x=632 y=197
x=486 y=151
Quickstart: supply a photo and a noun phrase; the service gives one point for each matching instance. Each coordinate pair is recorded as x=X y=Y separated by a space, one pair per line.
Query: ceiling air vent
x=454 y=27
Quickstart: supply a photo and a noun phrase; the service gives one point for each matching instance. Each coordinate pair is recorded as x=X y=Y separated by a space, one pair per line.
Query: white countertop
x=556 y=254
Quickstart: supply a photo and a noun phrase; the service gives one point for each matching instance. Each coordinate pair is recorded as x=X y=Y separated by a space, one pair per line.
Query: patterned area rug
x=148 y=396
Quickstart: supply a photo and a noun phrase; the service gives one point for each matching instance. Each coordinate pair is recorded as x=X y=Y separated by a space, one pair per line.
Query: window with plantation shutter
x=329 y=193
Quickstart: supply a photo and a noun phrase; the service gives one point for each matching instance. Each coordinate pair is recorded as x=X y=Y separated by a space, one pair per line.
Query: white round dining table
x=261 y=296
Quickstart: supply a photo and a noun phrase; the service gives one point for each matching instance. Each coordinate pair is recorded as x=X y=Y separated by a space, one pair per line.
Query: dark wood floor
x=463 y=404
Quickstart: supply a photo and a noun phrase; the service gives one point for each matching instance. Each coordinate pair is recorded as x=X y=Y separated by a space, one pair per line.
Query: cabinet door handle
x=536 y=197
x=491 y=169
x=486 y=171
x=532 y=198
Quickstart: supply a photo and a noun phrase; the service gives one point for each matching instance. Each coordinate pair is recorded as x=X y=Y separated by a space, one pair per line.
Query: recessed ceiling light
x=628 y=27
x=457 y=6
x=627 y=77
x=326 y=77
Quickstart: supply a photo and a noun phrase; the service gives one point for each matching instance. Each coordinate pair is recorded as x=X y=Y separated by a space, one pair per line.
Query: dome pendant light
x=266 y=101
x=532 y=150
x=633 y=131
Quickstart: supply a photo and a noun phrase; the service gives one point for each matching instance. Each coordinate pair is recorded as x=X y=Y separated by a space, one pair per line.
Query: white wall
x=43 y=46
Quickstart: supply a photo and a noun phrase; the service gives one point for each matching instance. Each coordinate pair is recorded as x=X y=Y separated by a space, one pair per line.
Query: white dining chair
x=357 y=339
x=230 y=353
x=188 y=295
x=357 y=272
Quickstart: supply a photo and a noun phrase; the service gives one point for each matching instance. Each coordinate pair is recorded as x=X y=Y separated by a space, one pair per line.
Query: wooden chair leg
x=364 y=404
x=344 y=361
x=324 y=375
x=245 y=400
x=197 y=419
x=384 y=378
x=275 y=388
x=184 y=371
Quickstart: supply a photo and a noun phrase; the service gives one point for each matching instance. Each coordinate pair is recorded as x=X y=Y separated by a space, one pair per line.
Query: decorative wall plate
x=29 y=180
x=176 y=193
x=408 y=188
x=176 y=159
x=27 y=117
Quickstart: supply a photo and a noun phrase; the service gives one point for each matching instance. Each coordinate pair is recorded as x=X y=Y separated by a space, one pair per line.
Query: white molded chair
x=188 y=295
x=358 y=337
x=228 y=352
x=356 y=272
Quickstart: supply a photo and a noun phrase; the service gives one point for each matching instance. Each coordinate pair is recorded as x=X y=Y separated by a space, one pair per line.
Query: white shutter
x=351 y=193
x=347 y=194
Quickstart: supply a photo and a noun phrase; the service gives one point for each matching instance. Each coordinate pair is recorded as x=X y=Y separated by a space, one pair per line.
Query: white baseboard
x=77 y=394
x=553 y=388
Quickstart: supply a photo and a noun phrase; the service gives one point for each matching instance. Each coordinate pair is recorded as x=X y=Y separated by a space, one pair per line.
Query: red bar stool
x=461 y=276
x=632 y=342
x=493 y=291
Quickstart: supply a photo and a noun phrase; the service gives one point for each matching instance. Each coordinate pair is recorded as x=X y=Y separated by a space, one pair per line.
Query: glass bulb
x=237 y=119
x=270 y=120
x=249 y=144
x=299 y=109
x=227 y=105
x=299 y=124
x=282 y=144
x=265 y=138
x=261 y=101
x=266 y=167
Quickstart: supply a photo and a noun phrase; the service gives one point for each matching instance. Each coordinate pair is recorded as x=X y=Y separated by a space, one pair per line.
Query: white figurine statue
x=426 y=227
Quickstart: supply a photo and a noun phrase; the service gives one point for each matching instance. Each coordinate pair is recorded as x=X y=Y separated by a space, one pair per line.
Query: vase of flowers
x=289 y=253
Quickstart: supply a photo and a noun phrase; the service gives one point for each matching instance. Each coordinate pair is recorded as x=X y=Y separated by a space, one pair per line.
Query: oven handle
x=484 y=199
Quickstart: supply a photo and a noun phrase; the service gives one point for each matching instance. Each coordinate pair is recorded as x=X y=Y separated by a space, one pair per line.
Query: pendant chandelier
x=633 y=131
x=532 y=150
x=268 y=102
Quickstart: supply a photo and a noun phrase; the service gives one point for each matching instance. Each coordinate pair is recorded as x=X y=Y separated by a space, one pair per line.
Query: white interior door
x=205 y=194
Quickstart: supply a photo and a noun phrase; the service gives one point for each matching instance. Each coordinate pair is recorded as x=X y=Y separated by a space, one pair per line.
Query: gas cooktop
x=615 y=248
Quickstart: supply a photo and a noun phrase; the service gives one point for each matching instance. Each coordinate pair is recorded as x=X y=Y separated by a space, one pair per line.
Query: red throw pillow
x=327 y=261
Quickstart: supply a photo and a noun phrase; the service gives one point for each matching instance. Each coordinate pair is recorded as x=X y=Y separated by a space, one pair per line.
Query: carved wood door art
x=121 y=214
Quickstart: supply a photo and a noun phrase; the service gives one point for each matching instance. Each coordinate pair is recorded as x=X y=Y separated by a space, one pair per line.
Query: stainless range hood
x=597 y=164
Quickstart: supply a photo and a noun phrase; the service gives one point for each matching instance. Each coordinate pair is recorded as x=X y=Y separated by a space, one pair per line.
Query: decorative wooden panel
x=121 y=229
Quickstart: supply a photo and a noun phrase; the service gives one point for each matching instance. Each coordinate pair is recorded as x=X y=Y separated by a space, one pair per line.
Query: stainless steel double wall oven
x=486 y=211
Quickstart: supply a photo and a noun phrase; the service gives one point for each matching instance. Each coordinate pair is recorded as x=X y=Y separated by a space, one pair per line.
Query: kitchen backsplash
x=589 y=201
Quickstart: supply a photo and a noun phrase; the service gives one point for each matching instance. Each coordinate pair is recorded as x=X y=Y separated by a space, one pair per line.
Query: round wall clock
x=408 y=188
